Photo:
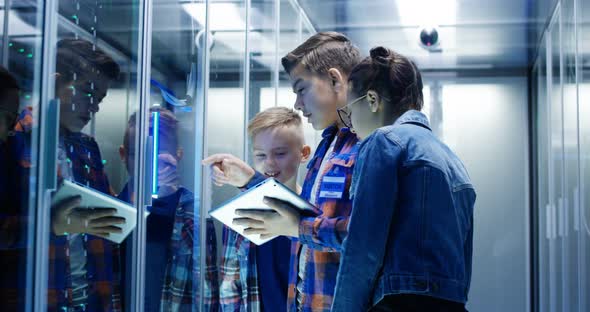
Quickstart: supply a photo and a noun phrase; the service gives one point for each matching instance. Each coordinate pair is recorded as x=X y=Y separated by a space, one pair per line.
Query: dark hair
x=82 y=58
x=391 y=75
x=7 y=81
x=323 y=51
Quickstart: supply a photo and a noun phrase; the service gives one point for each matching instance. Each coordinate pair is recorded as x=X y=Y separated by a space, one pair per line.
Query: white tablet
x=93 y=198
x=253 y=199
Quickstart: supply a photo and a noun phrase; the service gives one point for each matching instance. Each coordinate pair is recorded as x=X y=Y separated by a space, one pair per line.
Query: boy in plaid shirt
x=255 y=278
x=172 y=264
x=319 y=70
x=84 y=272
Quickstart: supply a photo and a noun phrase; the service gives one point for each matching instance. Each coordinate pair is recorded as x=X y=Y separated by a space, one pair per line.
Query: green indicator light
x=75 y=16
x=21 y=50
x=27 y=97
x=10 y=44
x=30 y=55
x=104 y=161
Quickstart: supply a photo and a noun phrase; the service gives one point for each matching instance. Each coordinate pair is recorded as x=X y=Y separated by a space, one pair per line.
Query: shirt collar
x=333 y=130
x=330 y=131
x=414 y=117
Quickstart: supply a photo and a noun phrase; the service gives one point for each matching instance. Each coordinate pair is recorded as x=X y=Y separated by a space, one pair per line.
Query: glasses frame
x=344 y=111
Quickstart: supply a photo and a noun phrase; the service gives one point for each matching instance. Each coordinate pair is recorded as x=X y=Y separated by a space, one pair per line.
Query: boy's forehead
x=300 y=74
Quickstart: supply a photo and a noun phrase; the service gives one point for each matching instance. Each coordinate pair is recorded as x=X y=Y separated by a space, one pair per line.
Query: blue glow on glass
x=156 y=129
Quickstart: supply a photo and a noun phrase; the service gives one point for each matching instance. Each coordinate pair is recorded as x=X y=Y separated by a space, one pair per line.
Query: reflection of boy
x=255 y=278
x=82 y=266
x=171 y=265
x=9 y=102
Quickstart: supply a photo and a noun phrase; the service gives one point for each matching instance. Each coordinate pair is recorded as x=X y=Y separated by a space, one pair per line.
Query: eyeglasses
x=345 y=114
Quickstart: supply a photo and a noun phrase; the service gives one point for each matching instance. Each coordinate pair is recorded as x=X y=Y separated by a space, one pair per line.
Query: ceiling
x=474 y=34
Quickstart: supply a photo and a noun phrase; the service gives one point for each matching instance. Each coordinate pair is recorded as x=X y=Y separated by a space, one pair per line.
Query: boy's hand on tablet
x=228 y=169
x=282 y=220
x=67 y=218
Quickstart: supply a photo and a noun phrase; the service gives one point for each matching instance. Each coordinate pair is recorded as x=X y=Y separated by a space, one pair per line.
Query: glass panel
x=226 y=122
x=225 y=104
x=174 y=276
x=570 y=134
x=499 y=280
x=557 y=166
x=95 y=83
x=543 y=208
x=20 y=94
x=584 y=115
x=262 y=51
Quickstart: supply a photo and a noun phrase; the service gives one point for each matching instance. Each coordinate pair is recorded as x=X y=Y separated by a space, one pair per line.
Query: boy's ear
x=336 y=79
x=305 y=153
x=122 y=153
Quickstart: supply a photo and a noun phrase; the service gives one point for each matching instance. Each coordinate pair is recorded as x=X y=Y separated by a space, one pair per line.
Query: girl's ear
x=374 y=100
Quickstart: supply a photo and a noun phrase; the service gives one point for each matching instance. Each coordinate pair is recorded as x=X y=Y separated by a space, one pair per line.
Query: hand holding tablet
x=268 y=201
x=80 y=209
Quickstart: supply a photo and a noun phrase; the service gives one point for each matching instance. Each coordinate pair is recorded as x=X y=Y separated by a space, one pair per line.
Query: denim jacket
x=411 y=228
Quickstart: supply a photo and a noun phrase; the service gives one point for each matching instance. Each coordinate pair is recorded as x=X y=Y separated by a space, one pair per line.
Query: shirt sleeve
x=257 y=178
x=230 y=293
x=322 y=233
x=373 y=208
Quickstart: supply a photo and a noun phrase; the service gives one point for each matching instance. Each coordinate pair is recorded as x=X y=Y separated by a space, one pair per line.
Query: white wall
x=485 y=123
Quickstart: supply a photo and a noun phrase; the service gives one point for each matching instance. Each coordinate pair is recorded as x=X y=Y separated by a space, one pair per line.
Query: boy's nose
x=270 y=162
x=298 y=104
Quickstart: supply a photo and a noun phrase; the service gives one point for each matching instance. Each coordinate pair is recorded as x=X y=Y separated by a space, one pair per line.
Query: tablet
x=253 y=199
x=93 y=198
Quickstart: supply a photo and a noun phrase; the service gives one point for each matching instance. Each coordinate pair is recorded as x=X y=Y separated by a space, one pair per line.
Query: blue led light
x=156 y=131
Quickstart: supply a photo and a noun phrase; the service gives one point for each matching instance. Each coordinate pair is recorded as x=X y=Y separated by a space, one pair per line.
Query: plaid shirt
x=182 y=269
x=240 y=290
x=182 y=266
x=323 y=235
x=103 y=267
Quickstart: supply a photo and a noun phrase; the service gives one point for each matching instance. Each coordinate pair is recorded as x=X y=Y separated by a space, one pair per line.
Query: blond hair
x=272 y=118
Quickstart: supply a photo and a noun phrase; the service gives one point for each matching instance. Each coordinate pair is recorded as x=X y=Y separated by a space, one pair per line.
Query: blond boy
x=255 y=278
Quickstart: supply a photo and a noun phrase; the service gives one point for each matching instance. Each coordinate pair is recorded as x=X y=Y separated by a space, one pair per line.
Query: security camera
x=429 y=39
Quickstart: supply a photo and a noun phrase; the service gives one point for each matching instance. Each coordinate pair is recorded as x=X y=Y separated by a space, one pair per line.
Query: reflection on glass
x=91 y=80
x=82 y=268
x=226 y=124
x=541 y=122
x=19 y=88
x=570 y=131
x=583 y=31
x=556 y=164
x=262 y=52
x=174 y=280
